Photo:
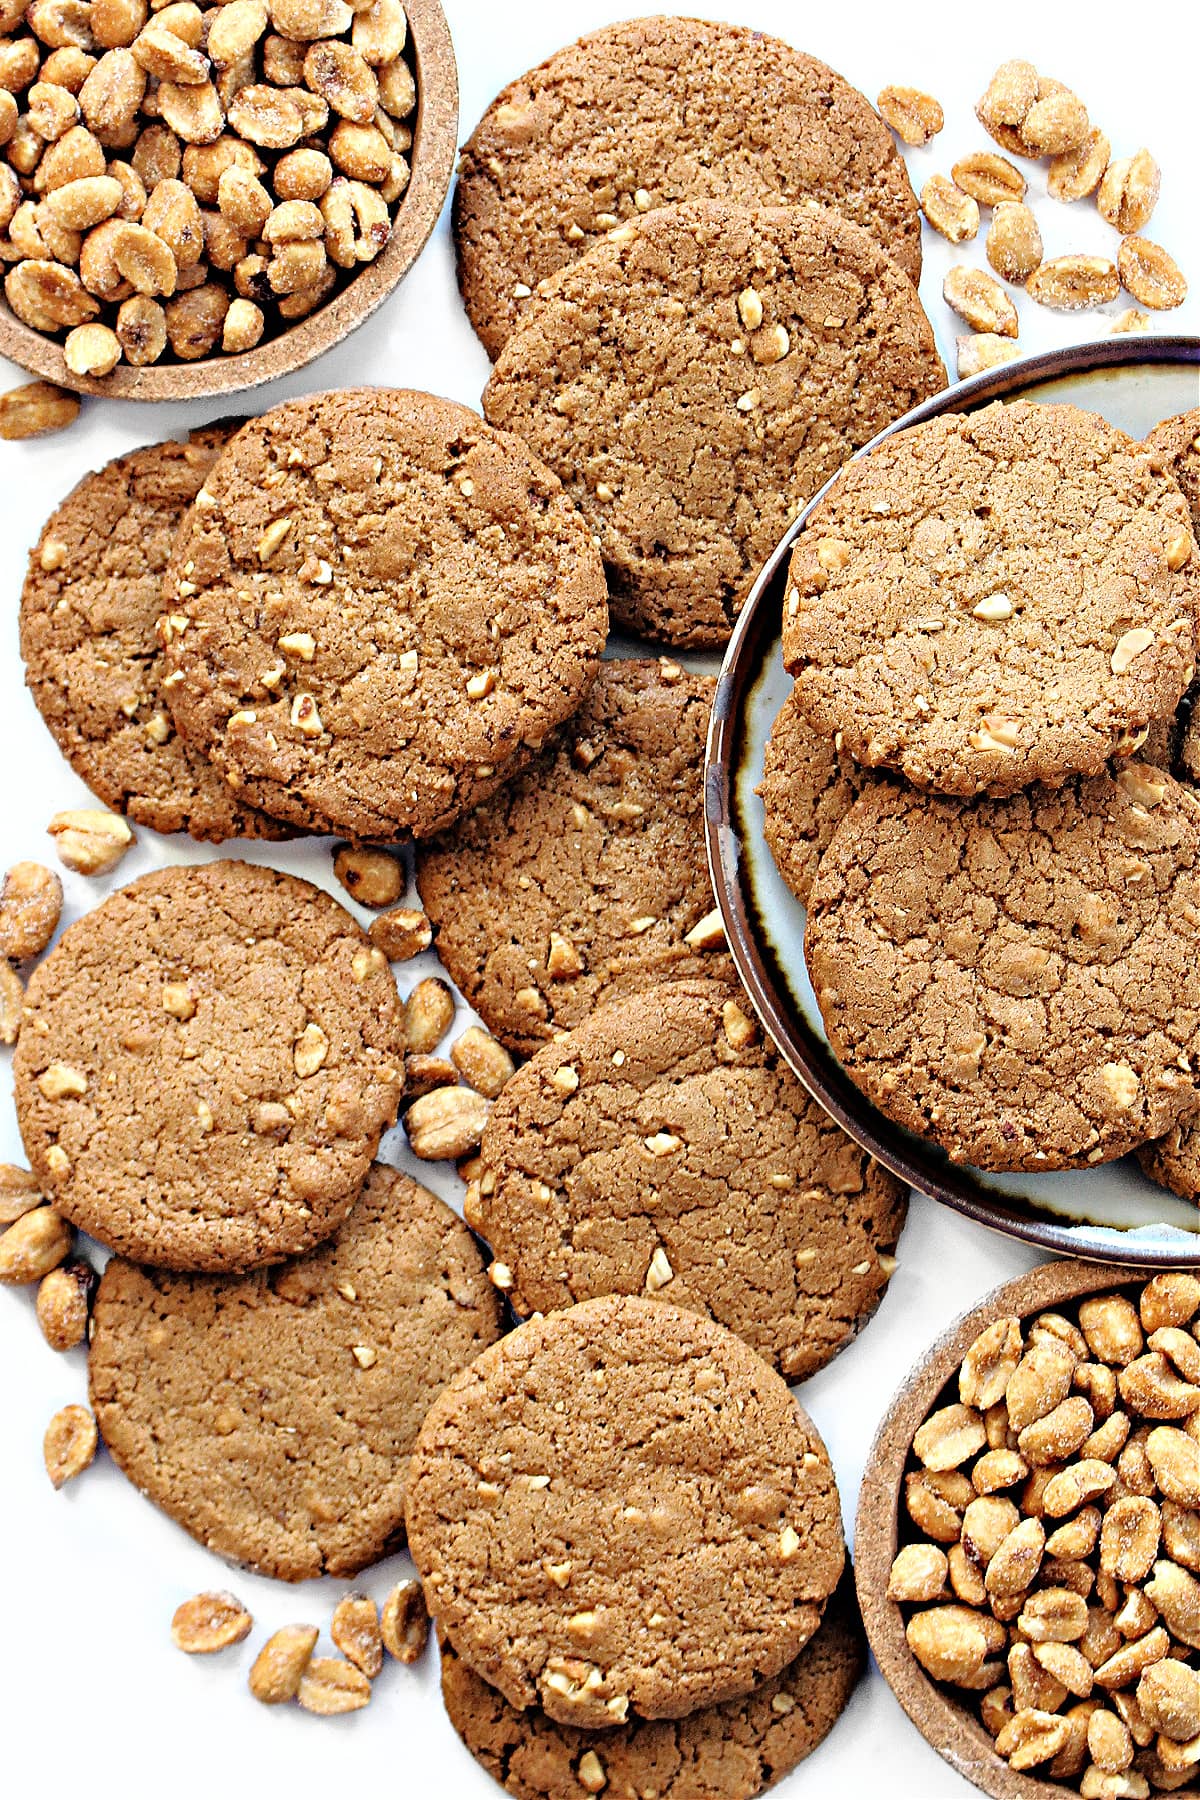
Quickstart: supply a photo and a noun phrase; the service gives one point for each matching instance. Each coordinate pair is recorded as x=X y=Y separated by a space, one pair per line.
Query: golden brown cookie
x=806 y=790
x=587 y=875
x=93 y=661
x=664 y=1147
x=994 y=598
x=377 y=608
x=1176 y=442
x=695 y=378
x=1013 y=978
x=649 y=112
x=272 y=1414
x=620 y=1509
x=727 y=1752
x=210 y=1058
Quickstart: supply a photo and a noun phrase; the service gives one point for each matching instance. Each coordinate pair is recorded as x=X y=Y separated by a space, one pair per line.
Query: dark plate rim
x=814 y=1065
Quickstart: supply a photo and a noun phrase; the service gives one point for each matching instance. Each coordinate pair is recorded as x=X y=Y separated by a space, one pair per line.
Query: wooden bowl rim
x=435 y=142
x=945 y=1724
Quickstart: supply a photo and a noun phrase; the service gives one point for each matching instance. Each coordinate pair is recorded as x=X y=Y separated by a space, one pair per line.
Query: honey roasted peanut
x=1054 y=1576
x=119 y=120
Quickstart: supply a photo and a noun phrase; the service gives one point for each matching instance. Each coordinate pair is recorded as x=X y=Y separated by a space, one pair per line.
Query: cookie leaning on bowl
x=619 y=1509
x=586 y=876
x=638 y=116
x=994 y=598
x=376 y=609
x=664 y=1147
x=272 y=1414
x=1013 y=978
x=697 y=376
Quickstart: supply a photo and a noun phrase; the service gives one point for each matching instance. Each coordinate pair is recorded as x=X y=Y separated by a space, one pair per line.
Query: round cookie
x=586 y=876
x=649 y=112
x=272 y=1414
x=1174 y=1160
x=93 y=660
x=664 y=1147
x=695 y=378
x=210 y=1058
x=620 y=1509
x=1014 y=978
x=806 y=790
x=994 y=598
x=727 y=1752
x=380 y=606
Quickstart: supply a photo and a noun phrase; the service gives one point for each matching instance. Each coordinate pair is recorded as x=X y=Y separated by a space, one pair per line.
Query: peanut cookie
x=1014 y=978
x=695 y=378
x=1176 y=442
x=272 y=1414
x=1174 y=1160
x=210 y=1058
x=377 y=607
x=727 y=1752
x=93 y=661
x=664 y=1147
x=620 y=1509
x=649 y=112
x=587 y=875
x=994 y=598
x=806 y=790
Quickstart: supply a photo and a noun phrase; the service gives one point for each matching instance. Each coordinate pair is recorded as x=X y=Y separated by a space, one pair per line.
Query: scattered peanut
x=404 y=1622
x=90 y=841
x=69 y=1444
x=355 y=1630
x=280 y=1665
x=209 y=1622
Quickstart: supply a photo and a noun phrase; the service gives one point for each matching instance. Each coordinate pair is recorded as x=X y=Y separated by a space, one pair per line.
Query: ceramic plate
x=1112 y=1213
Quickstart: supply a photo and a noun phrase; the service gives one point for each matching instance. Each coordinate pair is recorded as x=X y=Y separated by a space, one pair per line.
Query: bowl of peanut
x=195 y=199
x=1028 y=1537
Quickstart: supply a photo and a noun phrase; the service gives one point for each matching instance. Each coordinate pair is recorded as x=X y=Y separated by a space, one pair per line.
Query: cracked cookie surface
x=993 y=599
x=650 y=112
x=210 y=1059
x=272 y=1414
x=1014 y=978
x=1176 y=442
x=806 y=791
x=620 y=1509
x=586 y=875
x=94 y=664
x=727 y=1752
x=695 y=378
x=377 y=608
x=662 y=1146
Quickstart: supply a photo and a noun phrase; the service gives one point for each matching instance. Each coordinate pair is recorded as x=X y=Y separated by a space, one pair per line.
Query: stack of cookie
x=983 y=788
x=692 y=252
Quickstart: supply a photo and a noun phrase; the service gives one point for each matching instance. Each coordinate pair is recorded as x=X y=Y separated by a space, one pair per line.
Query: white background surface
x=94 y=1697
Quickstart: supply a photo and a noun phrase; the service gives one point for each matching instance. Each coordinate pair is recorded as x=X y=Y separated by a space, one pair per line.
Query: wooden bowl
x=435 y=138
x=954 y=1732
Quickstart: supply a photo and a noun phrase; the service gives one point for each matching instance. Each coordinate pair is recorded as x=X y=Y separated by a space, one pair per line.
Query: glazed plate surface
x=1112 y=1213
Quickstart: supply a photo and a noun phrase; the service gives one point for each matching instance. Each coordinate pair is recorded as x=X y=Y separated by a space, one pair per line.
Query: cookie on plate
x=727 y=1752
x=1014 y=978
x=376 y=609
x=210 y=1058
x=806 y=790
x=89 y=636
x=664 y=1147
x=272 y=1414
x=648 y=112
x=994 y=598
x=587 y=875
x=1177 y=443
x=695 y=378
x=619 y=1509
